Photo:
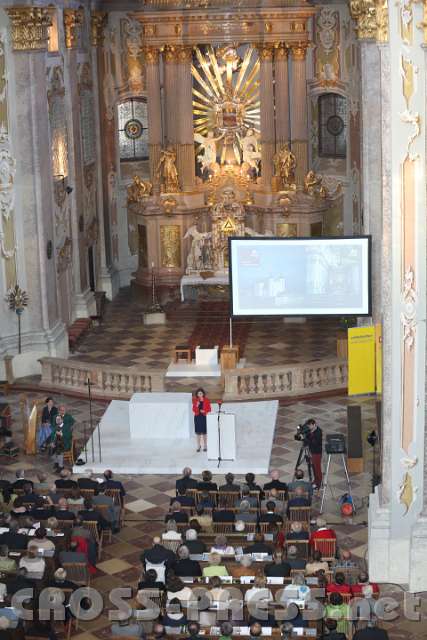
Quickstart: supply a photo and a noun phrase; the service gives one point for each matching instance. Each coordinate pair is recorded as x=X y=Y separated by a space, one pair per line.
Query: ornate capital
x=98 y=20
x=265 y=52
x=371 y=18
x=29 y=28
x=281 y=51
x=151 y=55
x=169 y=54
x=299 y=51
x=184 y=54
x=73 y=19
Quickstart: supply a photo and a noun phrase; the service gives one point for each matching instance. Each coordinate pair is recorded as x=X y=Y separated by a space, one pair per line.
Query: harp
x=29 y=423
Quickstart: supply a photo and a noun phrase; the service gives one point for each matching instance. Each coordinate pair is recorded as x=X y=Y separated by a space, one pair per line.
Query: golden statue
x=313 y=185
x=139 y=189
x=284 y=166
x=167 y=169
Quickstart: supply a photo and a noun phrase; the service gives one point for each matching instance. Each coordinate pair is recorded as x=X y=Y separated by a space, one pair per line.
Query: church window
x=133 y=129
x=332 y=125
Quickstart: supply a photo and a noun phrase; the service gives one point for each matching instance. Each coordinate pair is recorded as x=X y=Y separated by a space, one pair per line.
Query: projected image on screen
x=300 y=277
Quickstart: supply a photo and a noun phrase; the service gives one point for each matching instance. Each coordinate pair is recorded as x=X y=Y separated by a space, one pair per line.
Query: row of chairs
x=228 y=499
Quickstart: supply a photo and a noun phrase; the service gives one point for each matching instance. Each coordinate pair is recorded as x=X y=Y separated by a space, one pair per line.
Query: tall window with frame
x=332 y=110
x=133 y=129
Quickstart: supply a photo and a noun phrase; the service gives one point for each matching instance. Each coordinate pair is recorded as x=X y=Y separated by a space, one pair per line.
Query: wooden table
x=183 y=350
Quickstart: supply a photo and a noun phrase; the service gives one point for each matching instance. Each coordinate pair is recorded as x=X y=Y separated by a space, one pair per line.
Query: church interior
x=179 y=181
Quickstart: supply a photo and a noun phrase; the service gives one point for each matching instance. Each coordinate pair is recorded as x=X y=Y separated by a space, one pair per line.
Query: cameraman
x=314 y=441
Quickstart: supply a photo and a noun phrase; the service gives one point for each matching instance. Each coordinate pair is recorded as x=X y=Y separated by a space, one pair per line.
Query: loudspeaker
x=354 y=438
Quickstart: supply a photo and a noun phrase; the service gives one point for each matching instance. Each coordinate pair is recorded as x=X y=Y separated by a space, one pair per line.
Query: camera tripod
x=304 y=454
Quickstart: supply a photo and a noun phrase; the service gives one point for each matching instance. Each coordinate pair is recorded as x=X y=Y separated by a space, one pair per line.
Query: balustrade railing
x=106 y=381
x=287 y=380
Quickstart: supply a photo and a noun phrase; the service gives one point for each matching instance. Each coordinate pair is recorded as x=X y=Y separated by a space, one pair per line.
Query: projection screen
x=300 y=276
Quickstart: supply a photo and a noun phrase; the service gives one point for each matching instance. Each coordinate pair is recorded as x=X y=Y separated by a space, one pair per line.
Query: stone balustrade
x=288 y=380
x=107 y=381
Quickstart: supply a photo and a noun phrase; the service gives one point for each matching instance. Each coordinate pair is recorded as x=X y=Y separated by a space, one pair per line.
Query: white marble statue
x=208 y=146
x=250 y=150
x=251 y=232
x=197 y=254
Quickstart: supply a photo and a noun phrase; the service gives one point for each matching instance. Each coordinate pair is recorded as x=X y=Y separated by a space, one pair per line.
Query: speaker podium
x=221 y=431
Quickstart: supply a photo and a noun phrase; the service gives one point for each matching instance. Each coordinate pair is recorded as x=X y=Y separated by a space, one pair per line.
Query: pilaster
x=267 y=113
x=281 y=95
x=299 y=122
x=154 y=107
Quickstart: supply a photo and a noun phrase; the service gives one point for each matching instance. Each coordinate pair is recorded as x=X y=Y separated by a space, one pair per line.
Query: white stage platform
x=184 y=370
x=255 y=423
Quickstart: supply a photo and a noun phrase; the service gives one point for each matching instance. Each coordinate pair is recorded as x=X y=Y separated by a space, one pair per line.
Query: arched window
x=332 y=125
x=133 y=129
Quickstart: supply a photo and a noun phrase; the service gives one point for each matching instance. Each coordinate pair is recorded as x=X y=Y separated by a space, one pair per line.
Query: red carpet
x=212 y=327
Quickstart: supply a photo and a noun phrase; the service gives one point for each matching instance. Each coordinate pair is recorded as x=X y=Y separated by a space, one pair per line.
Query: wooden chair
x=280 y=495
x=172 y=545
x=87 y=493
x=188 y=510
x=265 y=527
x=69 y=455
x=301 y=545
x=299 y=514
x=65 y=524
x=103 y=510
x=227 y=499
x=223 y=527
x=255 y=494
x=250 y=527
x=351 y=573
x=304 y=494
x=92 y=525
x=153 y=595
x=77 y=572
x=327 y=548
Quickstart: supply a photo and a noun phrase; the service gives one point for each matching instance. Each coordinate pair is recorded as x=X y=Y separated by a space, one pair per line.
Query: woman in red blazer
x=201 y=407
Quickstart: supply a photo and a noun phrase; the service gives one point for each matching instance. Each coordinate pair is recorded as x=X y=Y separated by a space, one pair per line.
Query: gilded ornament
x=169 y=203
x=184 y=54
x=169 y=54
x=268 y=27
x=170 y=246
x=281 y=51
x=265 y=52
x=298 y=27
x=98 y=20
x=408 y=80
x=178 y=29
x=29 y=27
x=371 y=17
x=284 y=166
x=313 y=185
x=150 y=30
x=73 y=20
x=298 y=51
x=327 y=52
x=406 y=492
x=138 y=190
x=151 y=55
x=166 y=170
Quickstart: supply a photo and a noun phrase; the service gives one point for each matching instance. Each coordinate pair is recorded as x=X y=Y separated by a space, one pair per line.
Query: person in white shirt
x=172 y=532
x=298 y=590
x=32 y=563
x=316 y=565
x=221 y=546
x=40 y=541
x=259 y=592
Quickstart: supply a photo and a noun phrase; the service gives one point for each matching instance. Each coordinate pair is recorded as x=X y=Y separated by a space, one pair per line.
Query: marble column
x=171 y=94
x=299 y=124
x=152 y=76
x=267 y=113
x=281 y=94
x=185 y=133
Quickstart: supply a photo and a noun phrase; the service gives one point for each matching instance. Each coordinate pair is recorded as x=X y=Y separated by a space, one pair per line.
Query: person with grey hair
x=221 y=546
x=187 y=482
x=287 y=630
x=172 y=532
x=185 y=566
x=20 y=481
x=176 y=514
x=245 y=568
x=226 y=630
x=194 y=545
x=297 y=590
x=245 y=491
x=297 y=532
x=279 y=568
x=244 y=513
x=293 y=560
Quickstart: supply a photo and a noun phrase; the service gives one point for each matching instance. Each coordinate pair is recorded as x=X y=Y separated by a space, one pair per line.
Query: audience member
x=223 y=515
x=20 y=481
x=253 y=486
x=293 y=560
x=183 y=499
x=215 y=567
x=273 y=497
x=299 y=481
x=125 y=626
x=194 y=545
x=171 y=532
x=257 y=594
x=229 y=484
x=275 y=482
x=64 y=481
x=339 y=611
x=331 y=632
x=111 y=483
x=72 y=555
x=89 y=514
x=62 y=511
x=371 y=632
x=158 y=554
x=321 y=532
x=175 y=588
x=279 y=568
x=244 y=513
x=258 y=545
x=32 y=563
x=362 y=582
x=245 y=567
x=40 y=541
x=339 y=584
x=246 y=496
x=88 y=483
x=7 y=565
x=174 y=615
x=300 y=499
x=345 y=561
x=185 y=566
x=60 y=581
x=271 y=516
x=13 y=539
x=297 y=590
x=316 y=564
x=226 y=630
x=176 y=514
x=112 y=511
x=206 y=483
x=186 y=481
x=297 y=532
x=149 y=581
x=255 y=630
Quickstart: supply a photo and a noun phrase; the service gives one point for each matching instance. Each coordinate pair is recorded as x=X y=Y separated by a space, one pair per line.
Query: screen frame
x=305 y=315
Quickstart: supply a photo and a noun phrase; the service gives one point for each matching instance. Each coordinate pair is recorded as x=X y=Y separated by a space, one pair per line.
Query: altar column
x=152 y=74
x=267 y=113
x=299 y=127
x=281 y=97
x=185 y=133
x=171 y=97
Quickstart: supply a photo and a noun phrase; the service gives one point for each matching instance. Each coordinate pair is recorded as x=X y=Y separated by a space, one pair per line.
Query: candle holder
x=17 y=300
x=154 y=313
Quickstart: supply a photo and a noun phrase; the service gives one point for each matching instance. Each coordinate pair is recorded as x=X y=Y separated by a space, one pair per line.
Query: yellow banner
x=378 y=358
x=361 y=360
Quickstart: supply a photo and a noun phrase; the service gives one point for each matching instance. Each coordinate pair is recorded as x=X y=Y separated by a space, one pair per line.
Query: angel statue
x=139 y=189
x=199 y=253
x=250 y=150
x=208 y=146
x=167 y=169
x=313 y=185
x=284 y=165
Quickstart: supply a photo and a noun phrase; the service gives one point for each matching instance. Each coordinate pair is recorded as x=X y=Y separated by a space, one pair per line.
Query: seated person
x=185 y=566
x=215 y=567
x=221 y=546
x=337 y=610
x=331 y=632
x=229 y=484
x=7 y=565
x=345 y=561
x=111 y=510
x=258 y=545
x=125 y=627
x=186 y=481
x=271 y=516
x=42 y=509
x=300 y=500
x=62 y=511
x=174 y=615
x=183 y=499
x=258 y=593
x=176 y=514
x=29 y=496
x=297 y=532
x=41 y=541
x=246 y=496
x=175 y=588
x=20 y=481
x=206 y=483
x=300 y=482
x=194 y=545
x=279 y=568
x=338 y=585
x=297 y=590
x=293 y=560
x=111 y=483
x=60 y=581
x=275 y=482
x=206 y=501
x=172 y=532
x=253 y=486
x=273 y=497
x=245 y=568
x=75 y=498
x=322 y=531
x=90 y=514
x=218 y=593
x=64 y=481
x=244 y=514
x=316 y=564
x=88 y=483
x=223 y=515
x=149 y=581
x=362 y=582
x=32 y=563
x=157 y=554
x=12 y=539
